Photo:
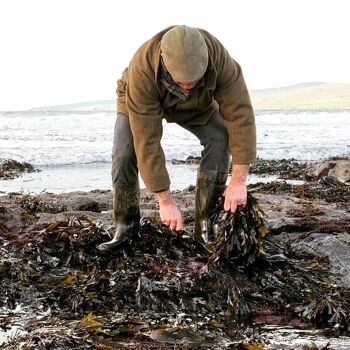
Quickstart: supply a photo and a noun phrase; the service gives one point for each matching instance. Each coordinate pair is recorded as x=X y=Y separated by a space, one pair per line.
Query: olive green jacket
x=146 y=101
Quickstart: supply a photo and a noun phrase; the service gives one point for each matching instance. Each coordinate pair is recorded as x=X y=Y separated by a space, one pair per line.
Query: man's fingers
x=172 y=225
x=233 y=207
x=179 y=225
x=230 y=206
x=176 y=225
x=227 y=205
x=242 y=203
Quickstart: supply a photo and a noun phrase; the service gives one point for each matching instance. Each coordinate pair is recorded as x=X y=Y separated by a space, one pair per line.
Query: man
x=186 y=76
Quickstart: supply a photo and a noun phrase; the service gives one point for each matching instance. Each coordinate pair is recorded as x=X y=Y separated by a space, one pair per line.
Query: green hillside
x=303 y=96
x=300 y=96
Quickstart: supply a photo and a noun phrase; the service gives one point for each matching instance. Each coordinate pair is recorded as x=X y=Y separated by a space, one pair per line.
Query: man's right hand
x=168 y=210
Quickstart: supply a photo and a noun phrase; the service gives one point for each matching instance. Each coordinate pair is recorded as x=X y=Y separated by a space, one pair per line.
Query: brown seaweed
x=327 y=188
x=10 y=168
x=284 y=168
x=162 y=289
x=239 y=235
x=35 y=204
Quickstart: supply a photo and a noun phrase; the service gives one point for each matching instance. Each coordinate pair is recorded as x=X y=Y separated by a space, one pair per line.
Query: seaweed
x=239 y=235
x=284 y=168
x=35 y=204
x=327 y=188
x=162 y=289
x=10 y=168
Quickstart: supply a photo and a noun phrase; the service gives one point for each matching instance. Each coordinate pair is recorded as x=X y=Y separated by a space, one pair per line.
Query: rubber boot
x=210 y=186
x=126 y=212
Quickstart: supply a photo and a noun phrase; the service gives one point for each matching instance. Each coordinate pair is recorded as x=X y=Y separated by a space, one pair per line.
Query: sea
x=72 y=149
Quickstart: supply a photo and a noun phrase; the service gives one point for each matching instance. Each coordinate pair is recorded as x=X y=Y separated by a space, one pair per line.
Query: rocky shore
x=160 y=291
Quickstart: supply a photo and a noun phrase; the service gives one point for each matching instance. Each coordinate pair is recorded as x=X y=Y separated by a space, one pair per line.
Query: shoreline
x=94 y=176
x=183 y=173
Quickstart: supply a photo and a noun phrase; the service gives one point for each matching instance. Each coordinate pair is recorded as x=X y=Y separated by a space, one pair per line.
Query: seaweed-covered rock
x=285 y=168
x=10 y=168
x=334 y=247
x=326 y=188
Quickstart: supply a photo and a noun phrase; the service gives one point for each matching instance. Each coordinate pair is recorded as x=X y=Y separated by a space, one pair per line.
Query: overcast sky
x=63 y=51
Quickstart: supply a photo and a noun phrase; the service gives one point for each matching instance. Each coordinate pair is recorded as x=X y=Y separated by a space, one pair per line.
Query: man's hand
x=169 y=212
x=236 y=192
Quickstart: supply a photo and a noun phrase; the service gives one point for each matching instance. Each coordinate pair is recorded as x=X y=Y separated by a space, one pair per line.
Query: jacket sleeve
x=145 y=115
x=236 y=109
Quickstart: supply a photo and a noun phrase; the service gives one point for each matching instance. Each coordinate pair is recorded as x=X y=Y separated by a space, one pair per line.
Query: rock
x=46 y=219
x=95 y=201
x=338 y=168
x=335 y=248
x=189 y=160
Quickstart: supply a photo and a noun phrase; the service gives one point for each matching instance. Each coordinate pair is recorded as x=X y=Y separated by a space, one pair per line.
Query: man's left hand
x=235 y=195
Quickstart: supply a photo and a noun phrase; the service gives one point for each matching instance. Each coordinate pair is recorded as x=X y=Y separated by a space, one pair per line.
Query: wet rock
x=338 y=168
x=189 y=160
x=335 y=247
x=95 y=201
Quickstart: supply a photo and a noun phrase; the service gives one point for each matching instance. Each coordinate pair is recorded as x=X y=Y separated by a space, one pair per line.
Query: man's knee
x=123 y=155
x=216 y=153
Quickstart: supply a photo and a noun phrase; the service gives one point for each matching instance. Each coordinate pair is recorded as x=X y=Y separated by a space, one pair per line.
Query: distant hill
x=91 y=106
x=303 y=96
x=313 y=95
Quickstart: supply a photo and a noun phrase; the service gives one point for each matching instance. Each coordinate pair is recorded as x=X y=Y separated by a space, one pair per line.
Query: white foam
x=63 y=138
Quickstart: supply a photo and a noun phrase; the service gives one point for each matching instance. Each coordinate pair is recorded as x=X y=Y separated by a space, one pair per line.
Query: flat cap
x=185 y=53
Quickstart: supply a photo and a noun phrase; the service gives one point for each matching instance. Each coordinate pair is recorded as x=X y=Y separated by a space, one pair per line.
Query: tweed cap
x=185 y=53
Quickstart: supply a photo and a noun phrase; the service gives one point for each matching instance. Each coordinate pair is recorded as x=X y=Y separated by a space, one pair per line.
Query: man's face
x=185 y=85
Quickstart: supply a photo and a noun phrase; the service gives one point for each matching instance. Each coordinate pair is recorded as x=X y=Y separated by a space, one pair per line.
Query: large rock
x=335 y=247
x=340 y=169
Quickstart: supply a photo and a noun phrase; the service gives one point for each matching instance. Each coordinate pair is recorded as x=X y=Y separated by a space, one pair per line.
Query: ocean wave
x=52 y=139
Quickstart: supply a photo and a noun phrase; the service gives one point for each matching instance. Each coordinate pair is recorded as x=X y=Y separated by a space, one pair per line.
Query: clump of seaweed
x=35 y=204
x=239 y=235
x=10 y=168
x=328 y=308
x=284 y=168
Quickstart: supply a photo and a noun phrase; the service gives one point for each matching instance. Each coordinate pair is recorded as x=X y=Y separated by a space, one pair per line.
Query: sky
x=65 y=51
